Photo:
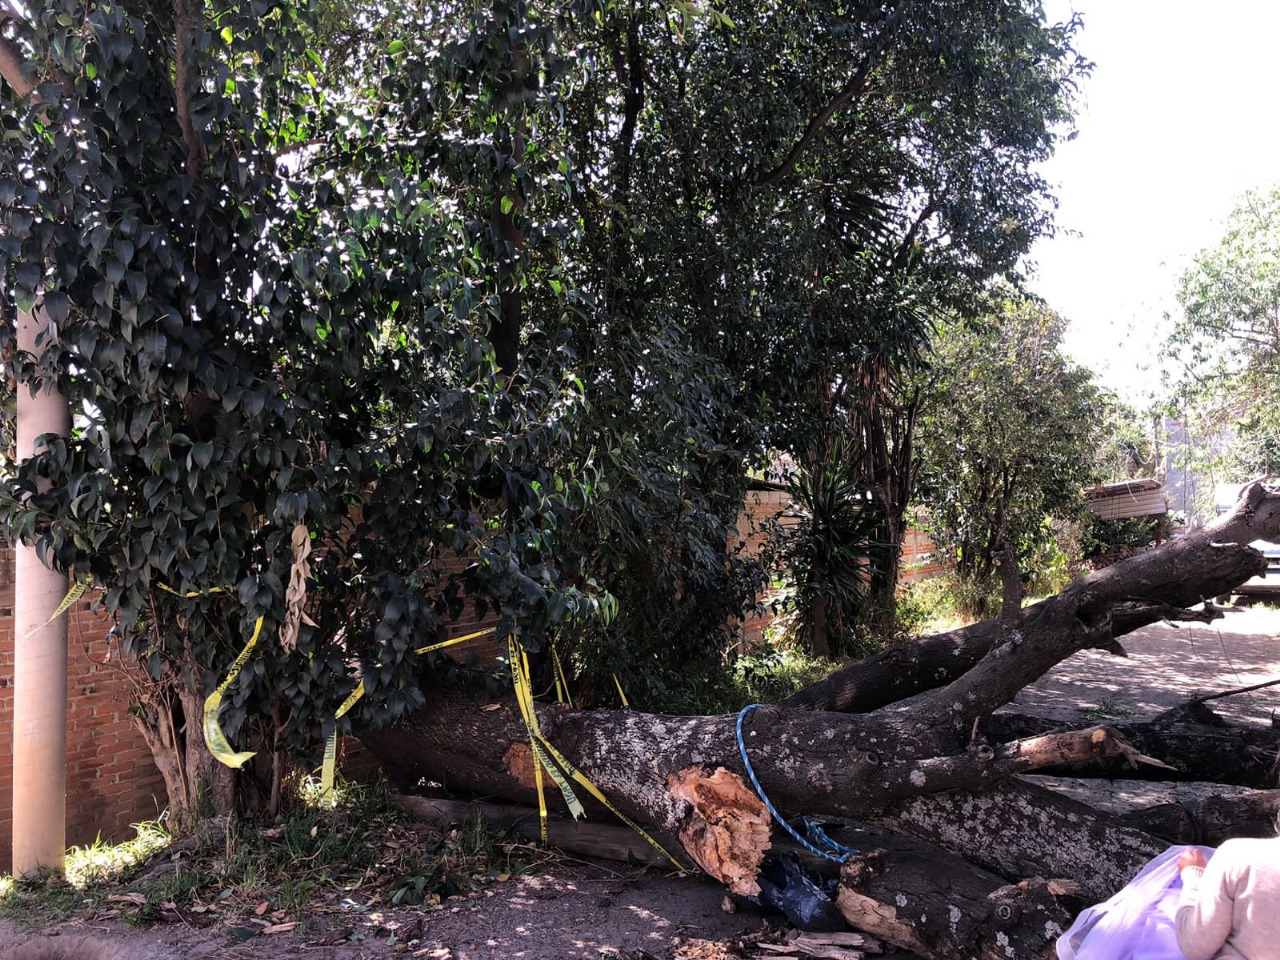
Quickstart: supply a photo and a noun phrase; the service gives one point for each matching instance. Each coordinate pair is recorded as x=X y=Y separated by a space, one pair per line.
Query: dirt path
x=571 y=910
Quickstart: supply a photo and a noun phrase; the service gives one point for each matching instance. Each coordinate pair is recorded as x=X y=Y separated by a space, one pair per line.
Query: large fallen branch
x=1187 y=812
x=1161 y=584
x=1193 y=744
x=918 y=764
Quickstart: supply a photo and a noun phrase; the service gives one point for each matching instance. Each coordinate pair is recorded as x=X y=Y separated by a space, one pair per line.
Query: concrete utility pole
x=39 y=661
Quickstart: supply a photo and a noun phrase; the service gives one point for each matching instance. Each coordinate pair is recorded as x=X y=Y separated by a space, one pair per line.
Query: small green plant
x=771 y=672
x=829 y=548
x=928 y=605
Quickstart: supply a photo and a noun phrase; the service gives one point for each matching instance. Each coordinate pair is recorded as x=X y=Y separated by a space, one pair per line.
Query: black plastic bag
x=801 y=894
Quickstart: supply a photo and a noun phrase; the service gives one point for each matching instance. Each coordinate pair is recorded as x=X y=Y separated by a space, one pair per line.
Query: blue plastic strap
x=840 y=854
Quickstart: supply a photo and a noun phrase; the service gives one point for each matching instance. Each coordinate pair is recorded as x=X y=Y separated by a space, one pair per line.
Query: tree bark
x=921 y=899
x=1018 y=829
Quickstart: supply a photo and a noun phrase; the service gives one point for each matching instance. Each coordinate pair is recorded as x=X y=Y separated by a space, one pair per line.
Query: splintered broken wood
x=605 y=840
x=1196 y=741
x=823 y=946
x=726 y=827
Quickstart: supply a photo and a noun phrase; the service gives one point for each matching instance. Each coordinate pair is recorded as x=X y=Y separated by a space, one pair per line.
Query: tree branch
x=186 y=14
x=909 y=239
x=854 y=88
x=13 y=68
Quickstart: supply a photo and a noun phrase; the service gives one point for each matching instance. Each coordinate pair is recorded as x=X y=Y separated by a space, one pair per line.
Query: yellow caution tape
x=328 y=766
x=616 y=683
x=74 y=593
x=542 y=750
x=542 y=800
x=194 y=593
x=214 y=738
x=524 y=699
x=562 y=682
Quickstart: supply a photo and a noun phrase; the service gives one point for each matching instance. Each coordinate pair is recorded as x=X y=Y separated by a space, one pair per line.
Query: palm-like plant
x=829 y=547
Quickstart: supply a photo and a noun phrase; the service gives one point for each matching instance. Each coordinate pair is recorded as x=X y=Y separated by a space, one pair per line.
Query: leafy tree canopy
x=497 y=300
x=1226 y=343
x=1008 y=434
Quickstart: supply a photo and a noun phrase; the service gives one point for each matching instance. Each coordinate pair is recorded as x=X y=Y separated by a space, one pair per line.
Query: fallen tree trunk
x=1158 y=585
x=685 y=774
x=918 y=765
x=1019 y=829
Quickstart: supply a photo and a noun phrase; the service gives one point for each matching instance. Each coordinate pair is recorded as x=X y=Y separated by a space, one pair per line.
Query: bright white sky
x=1180 y=116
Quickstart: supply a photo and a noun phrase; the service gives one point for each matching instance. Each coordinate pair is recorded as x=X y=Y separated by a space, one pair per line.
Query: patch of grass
x=363 y=848
x=92 y=872
x=771 y=672
x=29 y=904
x=101 y=861
x=930 y=605
x=1108 y=709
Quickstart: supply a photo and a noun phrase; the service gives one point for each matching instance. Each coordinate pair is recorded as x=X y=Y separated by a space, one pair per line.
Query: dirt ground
x=574 y=910
x=569 y=910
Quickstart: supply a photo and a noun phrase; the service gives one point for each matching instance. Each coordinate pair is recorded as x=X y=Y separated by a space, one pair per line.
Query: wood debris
x=821 y=946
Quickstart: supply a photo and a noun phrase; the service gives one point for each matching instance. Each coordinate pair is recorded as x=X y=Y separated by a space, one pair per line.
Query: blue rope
x=835 y=852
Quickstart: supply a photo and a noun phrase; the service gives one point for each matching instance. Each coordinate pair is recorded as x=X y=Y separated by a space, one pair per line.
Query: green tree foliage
x=1008 y=435
x=265 y=316
x=1226 y=343
x=498 y=300
x=1128 y=445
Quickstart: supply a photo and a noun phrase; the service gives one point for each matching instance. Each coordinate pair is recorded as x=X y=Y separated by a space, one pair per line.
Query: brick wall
x=920 y=557
x=111 y=780
x=762 y=509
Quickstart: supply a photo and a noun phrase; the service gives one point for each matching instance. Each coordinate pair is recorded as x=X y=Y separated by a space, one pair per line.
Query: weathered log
x=1179 y=812
x=1018 y=829
x=835 y=764
x=1197 y=743
x=588 y=838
